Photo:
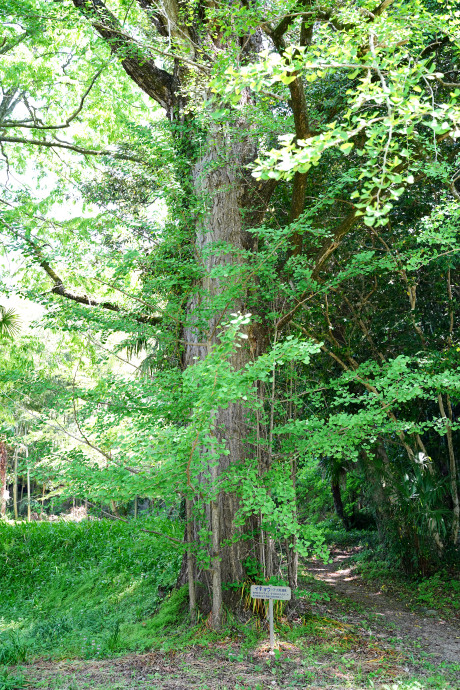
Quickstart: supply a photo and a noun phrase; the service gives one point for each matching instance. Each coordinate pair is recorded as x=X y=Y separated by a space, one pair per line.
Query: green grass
x=84 y=589
x=12 y=680
x=96 y=591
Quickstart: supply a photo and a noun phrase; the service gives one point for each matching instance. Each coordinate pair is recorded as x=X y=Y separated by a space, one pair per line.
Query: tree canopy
x=255 y=206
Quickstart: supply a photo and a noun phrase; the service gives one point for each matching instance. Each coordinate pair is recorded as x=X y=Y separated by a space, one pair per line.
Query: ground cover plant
x=91 y=604
x=80 y=589
x=437 y=593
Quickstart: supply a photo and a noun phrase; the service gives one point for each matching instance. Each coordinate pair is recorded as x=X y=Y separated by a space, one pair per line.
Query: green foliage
x=168 y=629
x=395 y=88
x=326 y=336
x=438 y=591
x=13 y=650
x=9 y=323
x=336 y=535
x=81 y=589
x=11 y=680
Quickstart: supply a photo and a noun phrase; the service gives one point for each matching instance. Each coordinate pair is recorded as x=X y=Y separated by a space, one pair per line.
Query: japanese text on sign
x=270 y=592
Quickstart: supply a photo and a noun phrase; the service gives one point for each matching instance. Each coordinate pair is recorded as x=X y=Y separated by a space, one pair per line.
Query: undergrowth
x=10 y=680
x=97 y=589
x=85 y=590
x=100 y=589
x=440 y=591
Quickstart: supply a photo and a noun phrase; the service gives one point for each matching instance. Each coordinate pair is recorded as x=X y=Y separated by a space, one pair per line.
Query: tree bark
x=234 y=202
x=190 y=561
x=3 y=468
x=338 y=504
x=219 y=178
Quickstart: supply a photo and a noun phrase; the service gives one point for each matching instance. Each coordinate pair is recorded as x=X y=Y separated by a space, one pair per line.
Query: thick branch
x=60 y=290
x=45 y=143
x=382 y=7
x=158 y=20
x=320 y=13
x=10 y=98
x=168 y=20
x=298 y=104
x=154 y=81
x=6 y=46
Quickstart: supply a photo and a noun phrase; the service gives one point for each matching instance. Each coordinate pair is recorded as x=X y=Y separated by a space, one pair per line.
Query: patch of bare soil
x=222 y=668
x=389 y=616
x=171 y=671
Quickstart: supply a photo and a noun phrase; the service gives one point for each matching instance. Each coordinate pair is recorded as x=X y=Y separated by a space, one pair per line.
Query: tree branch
x=154 y=81
x=299 y=108
x=382 y=7
x=159 y=21
x=45 y=143
x=167 y=18
x=60 y=290
x=67 y=122
x=5 y=47
x=320 y=14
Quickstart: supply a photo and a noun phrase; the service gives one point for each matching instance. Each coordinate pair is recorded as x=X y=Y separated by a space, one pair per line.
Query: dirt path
x=385 y=615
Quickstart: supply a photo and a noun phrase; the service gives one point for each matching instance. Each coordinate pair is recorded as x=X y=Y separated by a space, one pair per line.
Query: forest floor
x=355 y=637
x=388 y=616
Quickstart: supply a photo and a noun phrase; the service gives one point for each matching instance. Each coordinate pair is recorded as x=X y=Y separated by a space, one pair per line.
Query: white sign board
x=270 y=592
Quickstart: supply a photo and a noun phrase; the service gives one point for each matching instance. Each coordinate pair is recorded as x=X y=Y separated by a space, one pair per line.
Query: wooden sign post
x=272 y=593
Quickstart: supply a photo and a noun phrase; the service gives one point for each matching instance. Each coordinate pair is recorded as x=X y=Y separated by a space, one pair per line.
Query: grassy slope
x=81 y=589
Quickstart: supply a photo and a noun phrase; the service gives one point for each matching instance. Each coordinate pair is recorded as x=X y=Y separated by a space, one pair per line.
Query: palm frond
x=10 y=323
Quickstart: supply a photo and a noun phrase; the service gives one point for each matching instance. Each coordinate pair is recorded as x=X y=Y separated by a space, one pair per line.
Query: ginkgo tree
x=301 y=153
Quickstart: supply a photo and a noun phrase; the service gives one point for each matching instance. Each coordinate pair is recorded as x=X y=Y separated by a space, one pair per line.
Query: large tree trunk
x=220 y=179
